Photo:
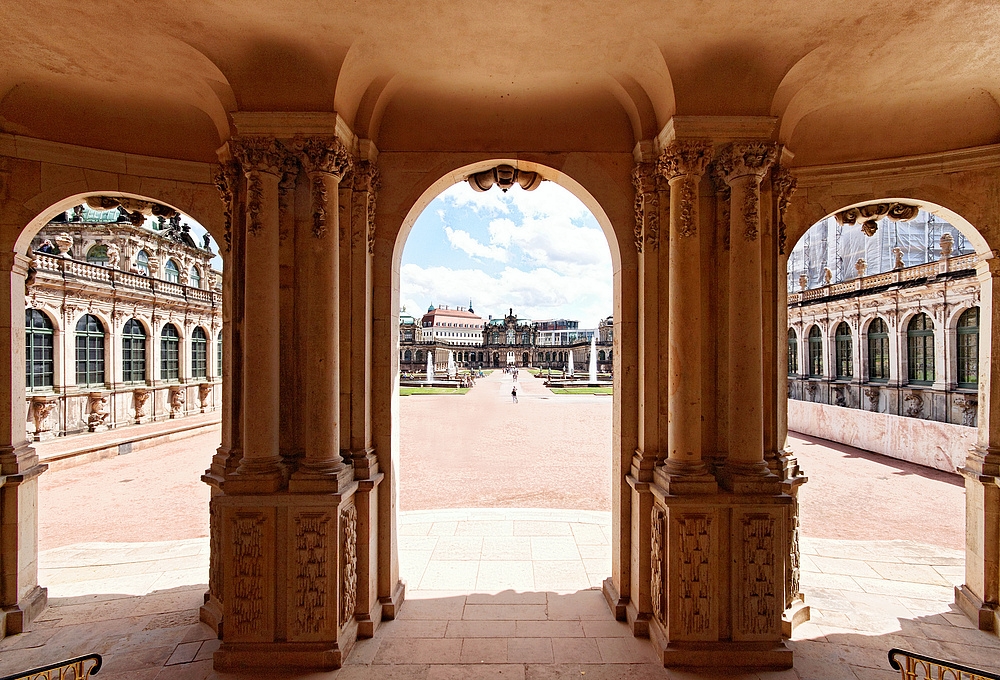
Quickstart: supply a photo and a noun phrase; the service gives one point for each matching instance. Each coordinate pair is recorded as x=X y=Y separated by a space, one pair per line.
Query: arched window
x=524 y=359
x=133 y=352
x=920 y=350
x=170 y=341
x=600 y=355
x=793 y=352
x=199 y=353
x=968 y=348
x=218 y=355
x=39 y=349
x=98 y=255
x=171 y=272
x=194 y=279
x=142 y=262
x=815 y=352
x=845 y=359
x=878 y=351
x=89 y=351
x=407 y=355
x=420 y=355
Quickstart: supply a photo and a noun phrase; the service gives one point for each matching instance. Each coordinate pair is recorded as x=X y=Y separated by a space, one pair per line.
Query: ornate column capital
x=226 y=181
x=366 y=179
x=740 y=159
x=258 y=154
x=647 y=204
x=684 y=157
x=783 y=183
x=326 y=155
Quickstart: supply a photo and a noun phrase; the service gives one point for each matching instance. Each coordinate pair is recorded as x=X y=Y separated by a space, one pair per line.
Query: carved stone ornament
x=898 y=253
x=505 y=177
x=658 y=570
x=644 y=182
x=758 y=607
x=177 y=399
x=861 y=267
x=783 y=184
x=311 y=572
x=840 y=397
x=969 y=406
x=349 y=563
x=869 y=215
x=740 y=159
x=947 y=243
x=226 y=181
x=136 y=209
x=914 y=404
x=317 y=190
x=204 y=390
x=751 y=214
x=723 y=195
x=139 y=398
x=370 y=176
x=41 y=409
x=684 y=157
x=695 y=573
x=248 y=573
x=872 y=394
x=255 y=202
x=97 y=409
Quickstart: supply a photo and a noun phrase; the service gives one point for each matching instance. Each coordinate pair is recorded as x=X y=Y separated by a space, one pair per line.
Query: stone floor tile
x=405 y=672
x=529 y=650
x=575 y=650
x=606 y=629
x=414 y=528
x=184 y=653
x=508 y=597
x=485 y=528
x=414 y=628
x=506 y=548
x=875 y=673
x=561 y=576
x=583 y=605
x=441 y=575
x=524 y=527
x=504 y=612
x=560 y=548
x=427 y=543
x=830 y=582
x=460 y=547
x=600 y=565
x=442 y=608
x=841 y=565
x=413 y=564
x=477 y=672
x=480 y=629
x=588 y=534
x=198 y=670
x=135 y=658
x=497 y=575
x=594 y=552
x=915 y=573
x=484 y=650
x=625 y=650
x=419 y=651
x=364 y=650
x=905 y=589
x=207 y=649
x=199 y=632
x=443 y=529
x=548 y=629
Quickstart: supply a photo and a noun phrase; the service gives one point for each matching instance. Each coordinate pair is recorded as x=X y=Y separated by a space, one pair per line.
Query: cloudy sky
x=540 y=252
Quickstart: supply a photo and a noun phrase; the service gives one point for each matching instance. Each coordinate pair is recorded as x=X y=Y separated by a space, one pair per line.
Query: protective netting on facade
x=828 y=245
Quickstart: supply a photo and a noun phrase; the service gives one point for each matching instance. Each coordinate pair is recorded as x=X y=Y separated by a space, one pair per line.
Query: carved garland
x=870 y=214
x=311 y=575
x=748 y=159
x=646 y=205
x=319 y=197
x=751 y=214
x=349 y=562
x=784 y=185
x=686 y=217
x=255 y=200
x=226 y=179
x=658 y=572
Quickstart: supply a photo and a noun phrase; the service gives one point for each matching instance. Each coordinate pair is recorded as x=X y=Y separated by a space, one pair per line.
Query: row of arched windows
x=98 y=254
x=919 y=350
x=90 y=344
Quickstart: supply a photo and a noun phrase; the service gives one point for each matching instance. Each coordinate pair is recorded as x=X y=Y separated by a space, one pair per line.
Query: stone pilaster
x=260 y=470
x=683 y=163
x=743 y=165
x=979 y=596
x=21 y=599
x=322 y=468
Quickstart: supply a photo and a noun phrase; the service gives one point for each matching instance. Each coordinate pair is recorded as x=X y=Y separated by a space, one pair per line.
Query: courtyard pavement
x=498 y=592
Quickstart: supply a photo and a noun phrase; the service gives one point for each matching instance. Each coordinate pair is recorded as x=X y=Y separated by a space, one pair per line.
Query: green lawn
x=582 y=390
x=407 y=391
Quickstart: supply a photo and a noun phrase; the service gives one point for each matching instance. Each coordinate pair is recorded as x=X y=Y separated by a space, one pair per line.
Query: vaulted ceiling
x=847 y=80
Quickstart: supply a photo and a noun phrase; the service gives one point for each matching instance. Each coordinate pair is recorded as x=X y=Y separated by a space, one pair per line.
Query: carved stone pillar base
x=717 y=584
x=681 y=483
x=15 y=619
x=330 y=480
x=391 y=604
x=979 y=596
x=985 y=616
x=613 y=597
x=749 y=480
x=638 y=610
x=795 y=613
x=290 y=580
x=210 y=614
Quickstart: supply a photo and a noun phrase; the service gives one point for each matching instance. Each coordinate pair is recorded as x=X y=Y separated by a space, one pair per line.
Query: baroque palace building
x=885 y=325
x=122 y=322
x=705 y=142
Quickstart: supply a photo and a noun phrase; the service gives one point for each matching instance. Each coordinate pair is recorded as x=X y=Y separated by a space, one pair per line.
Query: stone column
x=683 y=163
x=260 y=469
x=743 y=166
x=325 y=160
x=21 y=599
x=979 y=596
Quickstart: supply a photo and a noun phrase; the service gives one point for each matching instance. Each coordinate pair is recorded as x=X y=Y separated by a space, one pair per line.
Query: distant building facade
x=123 y=324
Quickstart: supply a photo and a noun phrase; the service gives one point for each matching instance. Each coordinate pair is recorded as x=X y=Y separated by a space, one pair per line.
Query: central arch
x=607 y=193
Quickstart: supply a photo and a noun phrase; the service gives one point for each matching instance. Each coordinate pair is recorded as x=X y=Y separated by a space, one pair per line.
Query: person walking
x=513 y=393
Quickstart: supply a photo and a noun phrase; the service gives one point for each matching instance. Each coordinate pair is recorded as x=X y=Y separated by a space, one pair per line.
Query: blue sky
x=540 y=252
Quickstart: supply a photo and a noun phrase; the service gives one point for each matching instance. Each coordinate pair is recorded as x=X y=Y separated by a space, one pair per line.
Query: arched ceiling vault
x=847 y=82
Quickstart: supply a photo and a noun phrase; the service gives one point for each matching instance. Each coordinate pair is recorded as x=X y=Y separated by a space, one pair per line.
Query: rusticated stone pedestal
x=718 y=579
x=290 y=581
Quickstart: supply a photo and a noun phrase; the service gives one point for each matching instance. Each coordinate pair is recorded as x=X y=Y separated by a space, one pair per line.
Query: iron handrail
x=909 y=672
x=77 y=664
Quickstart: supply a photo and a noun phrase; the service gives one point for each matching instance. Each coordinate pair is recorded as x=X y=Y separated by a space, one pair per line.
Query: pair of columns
x=715 y=518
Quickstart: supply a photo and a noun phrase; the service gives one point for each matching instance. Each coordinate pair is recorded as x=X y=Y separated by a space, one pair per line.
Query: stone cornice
x=57 y=153
x=288 y=124
x=719 y=129
x=903 y=167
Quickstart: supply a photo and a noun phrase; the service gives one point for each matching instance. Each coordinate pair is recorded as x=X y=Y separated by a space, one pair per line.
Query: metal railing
x=67 y=267
x=919 y=667
x=70 y=669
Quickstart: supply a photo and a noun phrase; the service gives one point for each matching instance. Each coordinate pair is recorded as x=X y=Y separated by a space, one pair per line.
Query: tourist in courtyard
x=513 y=393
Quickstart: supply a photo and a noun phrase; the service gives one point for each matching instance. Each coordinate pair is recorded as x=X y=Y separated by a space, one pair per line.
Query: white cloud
x=462 y=240
x=461 y=195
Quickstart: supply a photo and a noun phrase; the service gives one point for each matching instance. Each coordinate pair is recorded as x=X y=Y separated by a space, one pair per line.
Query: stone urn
x=64 y=242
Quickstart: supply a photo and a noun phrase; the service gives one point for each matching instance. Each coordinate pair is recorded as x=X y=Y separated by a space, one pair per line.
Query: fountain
x=430 y=366
x=593 y=359
x=569 y=367
x=431 y=380
x=452 y=370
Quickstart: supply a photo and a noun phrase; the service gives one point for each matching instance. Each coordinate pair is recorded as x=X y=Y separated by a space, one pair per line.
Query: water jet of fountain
x=430 y=366
x=569 y=368
x=593 y=359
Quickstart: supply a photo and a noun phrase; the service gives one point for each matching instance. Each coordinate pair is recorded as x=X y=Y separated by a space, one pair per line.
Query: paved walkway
x=497 y=592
